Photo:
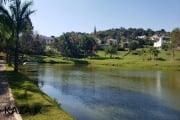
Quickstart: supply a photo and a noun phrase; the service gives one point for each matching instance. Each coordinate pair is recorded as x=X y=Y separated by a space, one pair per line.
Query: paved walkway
x=7 y=106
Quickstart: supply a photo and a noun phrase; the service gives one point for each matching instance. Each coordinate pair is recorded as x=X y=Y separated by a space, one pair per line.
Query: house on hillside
x=48 y=40
x=142 y=37
x=100 y=44
x=98 y=41
x=155 y=38
x=111 y=42
x=103 y=44
x=45 y=39
x=159 y=42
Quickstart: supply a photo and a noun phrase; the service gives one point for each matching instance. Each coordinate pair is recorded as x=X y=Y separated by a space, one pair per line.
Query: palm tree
x=19 y=15
x=7 y=31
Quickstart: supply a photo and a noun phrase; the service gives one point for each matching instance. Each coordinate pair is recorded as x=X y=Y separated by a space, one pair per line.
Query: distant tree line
x=128 y=34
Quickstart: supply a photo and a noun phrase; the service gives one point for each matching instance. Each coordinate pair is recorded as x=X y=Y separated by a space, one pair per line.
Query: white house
x=47 y=40
x=155 y=37
x=142 y=37
x=98 y=41
x=160 y=41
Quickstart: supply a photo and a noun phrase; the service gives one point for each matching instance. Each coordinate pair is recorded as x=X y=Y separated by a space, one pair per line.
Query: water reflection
x=158 y=83
x=110 y=103
x=96 y=94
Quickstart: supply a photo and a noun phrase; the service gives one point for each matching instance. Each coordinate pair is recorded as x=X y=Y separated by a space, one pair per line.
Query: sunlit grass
x=130 y=61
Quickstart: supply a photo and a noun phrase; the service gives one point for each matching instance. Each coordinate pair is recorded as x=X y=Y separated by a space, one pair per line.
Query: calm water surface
x=109 y=94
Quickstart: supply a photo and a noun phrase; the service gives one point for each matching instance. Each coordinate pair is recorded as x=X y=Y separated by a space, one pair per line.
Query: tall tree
x=87 y=45
x=111 y=50
x=175 y=39
x=26 y=38
x=150 y=50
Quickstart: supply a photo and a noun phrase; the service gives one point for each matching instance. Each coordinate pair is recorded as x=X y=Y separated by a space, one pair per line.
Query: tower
x=95 y=30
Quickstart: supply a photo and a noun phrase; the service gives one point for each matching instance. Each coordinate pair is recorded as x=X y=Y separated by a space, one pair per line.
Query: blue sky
x=58 y=16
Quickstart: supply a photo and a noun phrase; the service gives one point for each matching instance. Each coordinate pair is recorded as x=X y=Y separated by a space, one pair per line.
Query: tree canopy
x=175 y=40
x=175 y=37
x=75 y=45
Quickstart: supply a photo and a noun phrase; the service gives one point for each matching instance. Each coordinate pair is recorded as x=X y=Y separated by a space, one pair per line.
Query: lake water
x=90 y=93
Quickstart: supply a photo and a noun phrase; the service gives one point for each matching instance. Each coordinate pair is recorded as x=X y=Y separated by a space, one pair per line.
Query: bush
x=165 y=46
x=133 y=45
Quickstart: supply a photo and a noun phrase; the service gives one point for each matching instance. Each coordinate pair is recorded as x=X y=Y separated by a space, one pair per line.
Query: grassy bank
x=138 y=65
x=31 y=101
x=131 y=61
x=46 y=59
x=120 y=61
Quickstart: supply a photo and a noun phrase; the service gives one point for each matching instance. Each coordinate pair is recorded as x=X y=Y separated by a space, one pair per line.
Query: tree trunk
x=110 y=55
x=173 y=53
x=172 y=50
x=16 y=61
x=9 y=58
x=7 y=53
x=150 y=56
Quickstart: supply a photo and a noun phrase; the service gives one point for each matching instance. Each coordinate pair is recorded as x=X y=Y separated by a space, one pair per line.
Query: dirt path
x=8 y=111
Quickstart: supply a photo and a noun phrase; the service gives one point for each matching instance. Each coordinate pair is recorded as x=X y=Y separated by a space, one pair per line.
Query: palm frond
x=4 y=11
x=3 y=1
x=13 y=10
x=25 y=8
x=5 y=16
x=28 y=13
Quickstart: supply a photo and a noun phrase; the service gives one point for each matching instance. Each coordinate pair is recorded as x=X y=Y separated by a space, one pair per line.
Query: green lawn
x=31 y=101
x=122 y=60
x=131 y=61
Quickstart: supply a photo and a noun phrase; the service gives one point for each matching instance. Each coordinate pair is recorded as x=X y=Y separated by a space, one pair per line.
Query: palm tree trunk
x=7 y=56
x=16 y=61
x=7 y=53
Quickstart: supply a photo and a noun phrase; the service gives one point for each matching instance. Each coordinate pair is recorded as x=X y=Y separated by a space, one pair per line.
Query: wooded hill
x=129 y=34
